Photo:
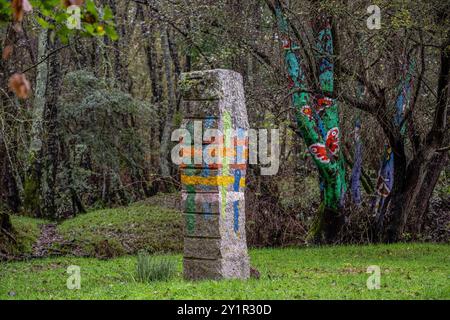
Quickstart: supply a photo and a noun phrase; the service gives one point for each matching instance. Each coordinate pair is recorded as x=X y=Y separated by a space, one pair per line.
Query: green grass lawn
x=408 y=271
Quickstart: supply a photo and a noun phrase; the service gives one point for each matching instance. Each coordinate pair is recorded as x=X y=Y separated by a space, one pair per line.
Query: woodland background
x=95 y=132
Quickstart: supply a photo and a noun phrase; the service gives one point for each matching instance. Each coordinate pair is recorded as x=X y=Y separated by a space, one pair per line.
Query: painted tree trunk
x=415 y=180
x=318 y=121
x=385 y=182
x=393 y=165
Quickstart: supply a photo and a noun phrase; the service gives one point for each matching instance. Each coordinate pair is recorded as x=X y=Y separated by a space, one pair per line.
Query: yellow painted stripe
x=210 y=181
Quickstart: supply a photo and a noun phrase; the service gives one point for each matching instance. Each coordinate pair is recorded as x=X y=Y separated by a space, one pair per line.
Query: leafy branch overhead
x=65 y=19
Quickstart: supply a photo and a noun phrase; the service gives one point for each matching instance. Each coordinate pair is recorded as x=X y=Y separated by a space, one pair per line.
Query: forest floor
x=105 y=233
x=408 y=271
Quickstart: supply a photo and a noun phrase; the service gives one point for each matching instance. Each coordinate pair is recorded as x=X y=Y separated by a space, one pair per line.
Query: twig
x=46 y=57
x=161 y=18
x=443 y=149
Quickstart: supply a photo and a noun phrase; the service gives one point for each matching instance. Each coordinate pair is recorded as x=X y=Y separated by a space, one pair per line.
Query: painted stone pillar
x=213 y=183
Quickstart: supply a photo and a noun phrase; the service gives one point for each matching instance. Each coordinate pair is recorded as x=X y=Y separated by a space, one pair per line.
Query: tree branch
x=46 y=57
x=164 y=19
x=436 y=135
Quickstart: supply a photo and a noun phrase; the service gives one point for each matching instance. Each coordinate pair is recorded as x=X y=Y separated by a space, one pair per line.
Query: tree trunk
x=6 y=234
x=416 y=185
x=154 y=69
x=32 y=199
x=318 y=121
x=397 y=196
x=121 y=73
x=431 y=178
x=10 y=183
x=5 y=222
x=51 y=149
x=171 y=106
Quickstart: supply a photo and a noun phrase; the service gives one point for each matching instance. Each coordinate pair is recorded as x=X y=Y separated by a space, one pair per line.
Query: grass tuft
x=151 y=268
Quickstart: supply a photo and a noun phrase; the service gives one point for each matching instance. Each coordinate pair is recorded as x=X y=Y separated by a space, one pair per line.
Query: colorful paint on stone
x=213 y=193
x=227 y=127
x=236 y=188
x=219 y=181
x=190 y=203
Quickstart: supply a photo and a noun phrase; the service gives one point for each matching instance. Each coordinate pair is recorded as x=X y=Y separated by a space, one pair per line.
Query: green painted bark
x=317 y=117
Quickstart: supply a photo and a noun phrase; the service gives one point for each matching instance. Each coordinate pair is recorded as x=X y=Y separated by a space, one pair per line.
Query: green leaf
x=63 y=35
x=46 y=12
x=47 y=5
x=111 y=32
x=91 y=8
x=107 y=13
x=89 y=28
x=61 y=18
x=44 y=24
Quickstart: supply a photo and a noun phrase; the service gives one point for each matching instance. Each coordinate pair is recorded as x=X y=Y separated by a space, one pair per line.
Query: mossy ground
x=124 y=231
x=26 y=233
x=106 y=233
x=408 y=271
